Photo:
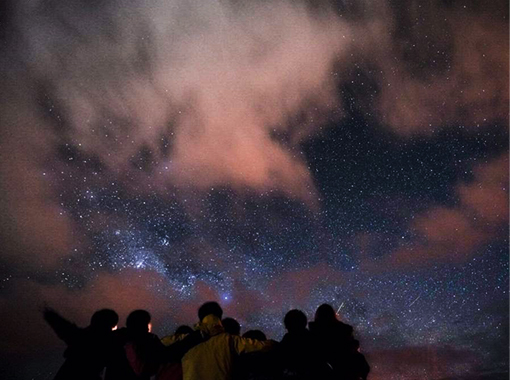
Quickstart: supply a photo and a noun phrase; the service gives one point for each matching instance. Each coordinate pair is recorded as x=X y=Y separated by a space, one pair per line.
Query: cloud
x=179 y=95
x=219 y=82
x=435 y=65
x=487 y=195
x=455 y=233
x=35 y=230
x=192 y=96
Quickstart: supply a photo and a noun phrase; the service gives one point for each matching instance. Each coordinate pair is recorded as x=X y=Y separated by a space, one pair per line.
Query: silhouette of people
x=296 y=350
x=87 y=348
x=336 y=346
x=231 y=326
x=213 y=350
x=136 y=350
x=213 y=359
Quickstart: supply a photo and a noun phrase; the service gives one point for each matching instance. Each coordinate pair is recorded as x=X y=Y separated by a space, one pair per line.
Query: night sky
x=266 y=154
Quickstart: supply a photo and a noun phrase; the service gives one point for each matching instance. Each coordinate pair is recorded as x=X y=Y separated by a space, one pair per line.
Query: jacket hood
x=210 y=325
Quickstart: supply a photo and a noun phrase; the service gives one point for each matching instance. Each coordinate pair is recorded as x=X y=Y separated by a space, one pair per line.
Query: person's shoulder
x=286 y=338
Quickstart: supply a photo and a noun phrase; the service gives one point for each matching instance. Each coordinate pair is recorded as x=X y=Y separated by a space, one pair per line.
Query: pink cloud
x=35 y=231
x=487 y=195
x=455 y=233
x=473 y=89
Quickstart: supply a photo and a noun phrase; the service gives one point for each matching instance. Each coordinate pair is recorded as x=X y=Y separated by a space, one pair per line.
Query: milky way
x=268 y=155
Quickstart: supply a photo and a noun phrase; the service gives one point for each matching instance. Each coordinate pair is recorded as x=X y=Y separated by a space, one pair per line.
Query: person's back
x=296 y=351
x=213 y=359
x=87 y=348
x=257 y=365
x=357 y=367
x=136 y=352
x=335 y=344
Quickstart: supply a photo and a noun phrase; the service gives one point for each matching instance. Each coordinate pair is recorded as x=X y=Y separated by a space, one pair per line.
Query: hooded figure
x=87 y=348
x=213 y=359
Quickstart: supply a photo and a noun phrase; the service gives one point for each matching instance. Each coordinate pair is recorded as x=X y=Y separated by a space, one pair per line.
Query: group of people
x=324 y=349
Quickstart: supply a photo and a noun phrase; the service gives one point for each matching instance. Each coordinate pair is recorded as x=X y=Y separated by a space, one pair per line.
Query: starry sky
x=266 y=154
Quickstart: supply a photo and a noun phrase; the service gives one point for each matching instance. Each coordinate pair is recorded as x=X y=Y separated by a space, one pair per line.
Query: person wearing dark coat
x=87 y=348
x=136 y=350
x=336 y=347
x=257 y=365
x=296 y=352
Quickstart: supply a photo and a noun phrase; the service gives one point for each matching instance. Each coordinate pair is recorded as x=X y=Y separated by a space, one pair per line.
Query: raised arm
x=64 y=329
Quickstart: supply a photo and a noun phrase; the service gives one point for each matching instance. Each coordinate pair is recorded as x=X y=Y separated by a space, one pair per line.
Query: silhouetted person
x=296 y=351
x=257 y=365
x=213 y=359
x=87 y=348
x=335 y=344
x=136 y=350
x=231 y=326
x=358 y=368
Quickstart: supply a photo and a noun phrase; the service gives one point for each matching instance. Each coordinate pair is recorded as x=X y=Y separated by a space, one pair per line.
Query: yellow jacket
x=212 y=359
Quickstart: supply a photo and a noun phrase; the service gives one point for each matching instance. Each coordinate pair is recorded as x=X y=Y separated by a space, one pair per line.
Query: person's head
x=231 y=326
x=104 y=319
x=325 y=314
x=295 y=320
x=255 y=334
x=208 y=308
x=139 y=321
x=181 y=330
